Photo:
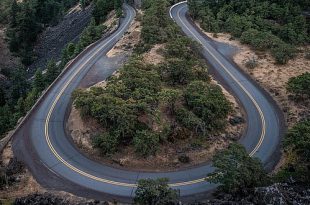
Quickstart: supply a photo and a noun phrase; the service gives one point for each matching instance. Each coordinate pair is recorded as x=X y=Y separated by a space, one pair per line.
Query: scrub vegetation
x=297 y=148
x=155 y=192
x=266 y=25
x=299 y=86
x=149 y=105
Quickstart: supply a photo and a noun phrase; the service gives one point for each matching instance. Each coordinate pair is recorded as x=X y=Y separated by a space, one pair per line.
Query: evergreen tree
x=2 y=97
x=20 y=84
x=52 y=72
x=38 y=83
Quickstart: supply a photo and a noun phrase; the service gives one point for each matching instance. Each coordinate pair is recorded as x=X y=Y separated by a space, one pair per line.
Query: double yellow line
x=67 y=164
x=261 y=139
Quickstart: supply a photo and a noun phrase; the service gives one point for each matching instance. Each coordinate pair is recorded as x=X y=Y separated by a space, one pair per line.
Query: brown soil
x=154 y=56
x=128 y=41
x=271 y=76
x=25 y=186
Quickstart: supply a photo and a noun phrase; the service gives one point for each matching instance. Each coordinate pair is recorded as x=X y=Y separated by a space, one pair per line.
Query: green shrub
x=251 y=63
x=108 y=143
x=146 y=143
x=151 y=192
x=189 y=120
x=208 y=102
x=283 y=53
x=300 y=85
x=297 y=148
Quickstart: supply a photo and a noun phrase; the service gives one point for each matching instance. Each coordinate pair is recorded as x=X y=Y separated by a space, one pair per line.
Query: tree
x=102 y=9
x=52 y=72
x=209 y=103
x=13 y=13
x=155 y=192
x=20 y=85
x=2 y=97
x=236 y=171
x=5 y=119
x=296 y=146
x=38 y=82
x=83 y=4
x=298 y=140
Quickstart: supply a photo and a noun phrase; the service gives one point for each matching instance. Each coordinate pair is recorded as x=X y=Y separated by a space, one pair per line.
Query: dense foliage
x=103 y=7
x=144 y=97
x=297 y=149
x=264 y=24
x=155 y=192
x=156 y=25
x=28 y=18
x=22 y=94
x=236 y=171
x=300 y=85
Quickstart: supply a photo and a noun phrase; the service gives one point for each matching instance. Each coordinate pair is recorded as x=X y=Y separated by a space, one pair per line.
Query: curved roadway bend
x=264 y=118
x=54 y=149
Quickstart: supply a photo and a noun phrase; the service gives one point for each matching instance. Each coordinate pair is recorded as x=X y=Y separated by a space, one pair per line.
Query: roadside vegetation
x=154 y=192
x=20 y=94
x=269 y=28
x=237 y=172
x=299 y=86
x=147 y=105
x=266 y=25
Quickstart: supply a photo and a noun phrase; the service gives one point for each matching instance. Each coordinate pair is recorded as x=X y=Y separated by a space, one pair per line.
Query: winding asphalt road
x=51 y=148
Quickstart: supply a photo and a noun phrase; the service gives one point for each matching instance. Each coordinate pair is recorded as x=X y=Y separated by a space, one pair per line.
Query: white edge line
x=172 y=7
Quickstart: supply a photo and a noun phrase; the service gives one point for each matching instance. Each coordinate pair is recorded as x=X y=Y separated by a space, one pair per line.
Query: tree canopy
x=236 y=171
x=155 y=192
x=271 y=25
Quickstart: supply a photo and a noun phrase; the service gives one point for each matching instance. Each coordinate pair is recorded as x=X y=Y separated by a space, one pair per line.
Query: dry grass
x=272 y=77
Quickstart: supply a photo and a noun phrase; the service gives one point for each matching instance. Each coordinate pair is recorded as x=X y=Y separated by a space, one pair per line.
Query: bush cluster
x=130 y=106
x=300 y=85
x=264 y=24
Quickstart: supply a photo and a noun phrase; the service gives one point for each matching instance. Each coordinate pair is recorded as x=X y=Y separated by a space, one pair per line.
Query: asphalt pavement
x=44 y=145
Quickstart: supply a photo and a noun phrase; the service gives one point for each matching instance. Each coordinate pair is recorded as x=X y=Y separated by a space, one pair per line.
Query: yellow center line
x=134 y=184
x=263 y=133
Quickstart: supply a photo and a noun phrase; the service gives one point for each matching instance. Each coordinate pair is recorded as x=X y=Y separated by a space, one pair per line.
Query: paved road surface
x=55 y=162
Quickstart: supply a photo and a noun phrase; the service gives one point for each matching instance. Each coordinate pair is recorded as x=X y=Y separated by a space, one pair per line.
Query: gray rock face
x=51 y=41
x=276 y=194
x=50 y=199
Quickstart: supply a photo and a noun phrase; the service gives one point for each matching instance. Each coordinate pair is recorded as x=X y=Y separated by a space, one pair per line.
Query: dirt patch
x=81 y=130
x=271 y=76
x=23 y=182
x=155 y=56
x=128 y=41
